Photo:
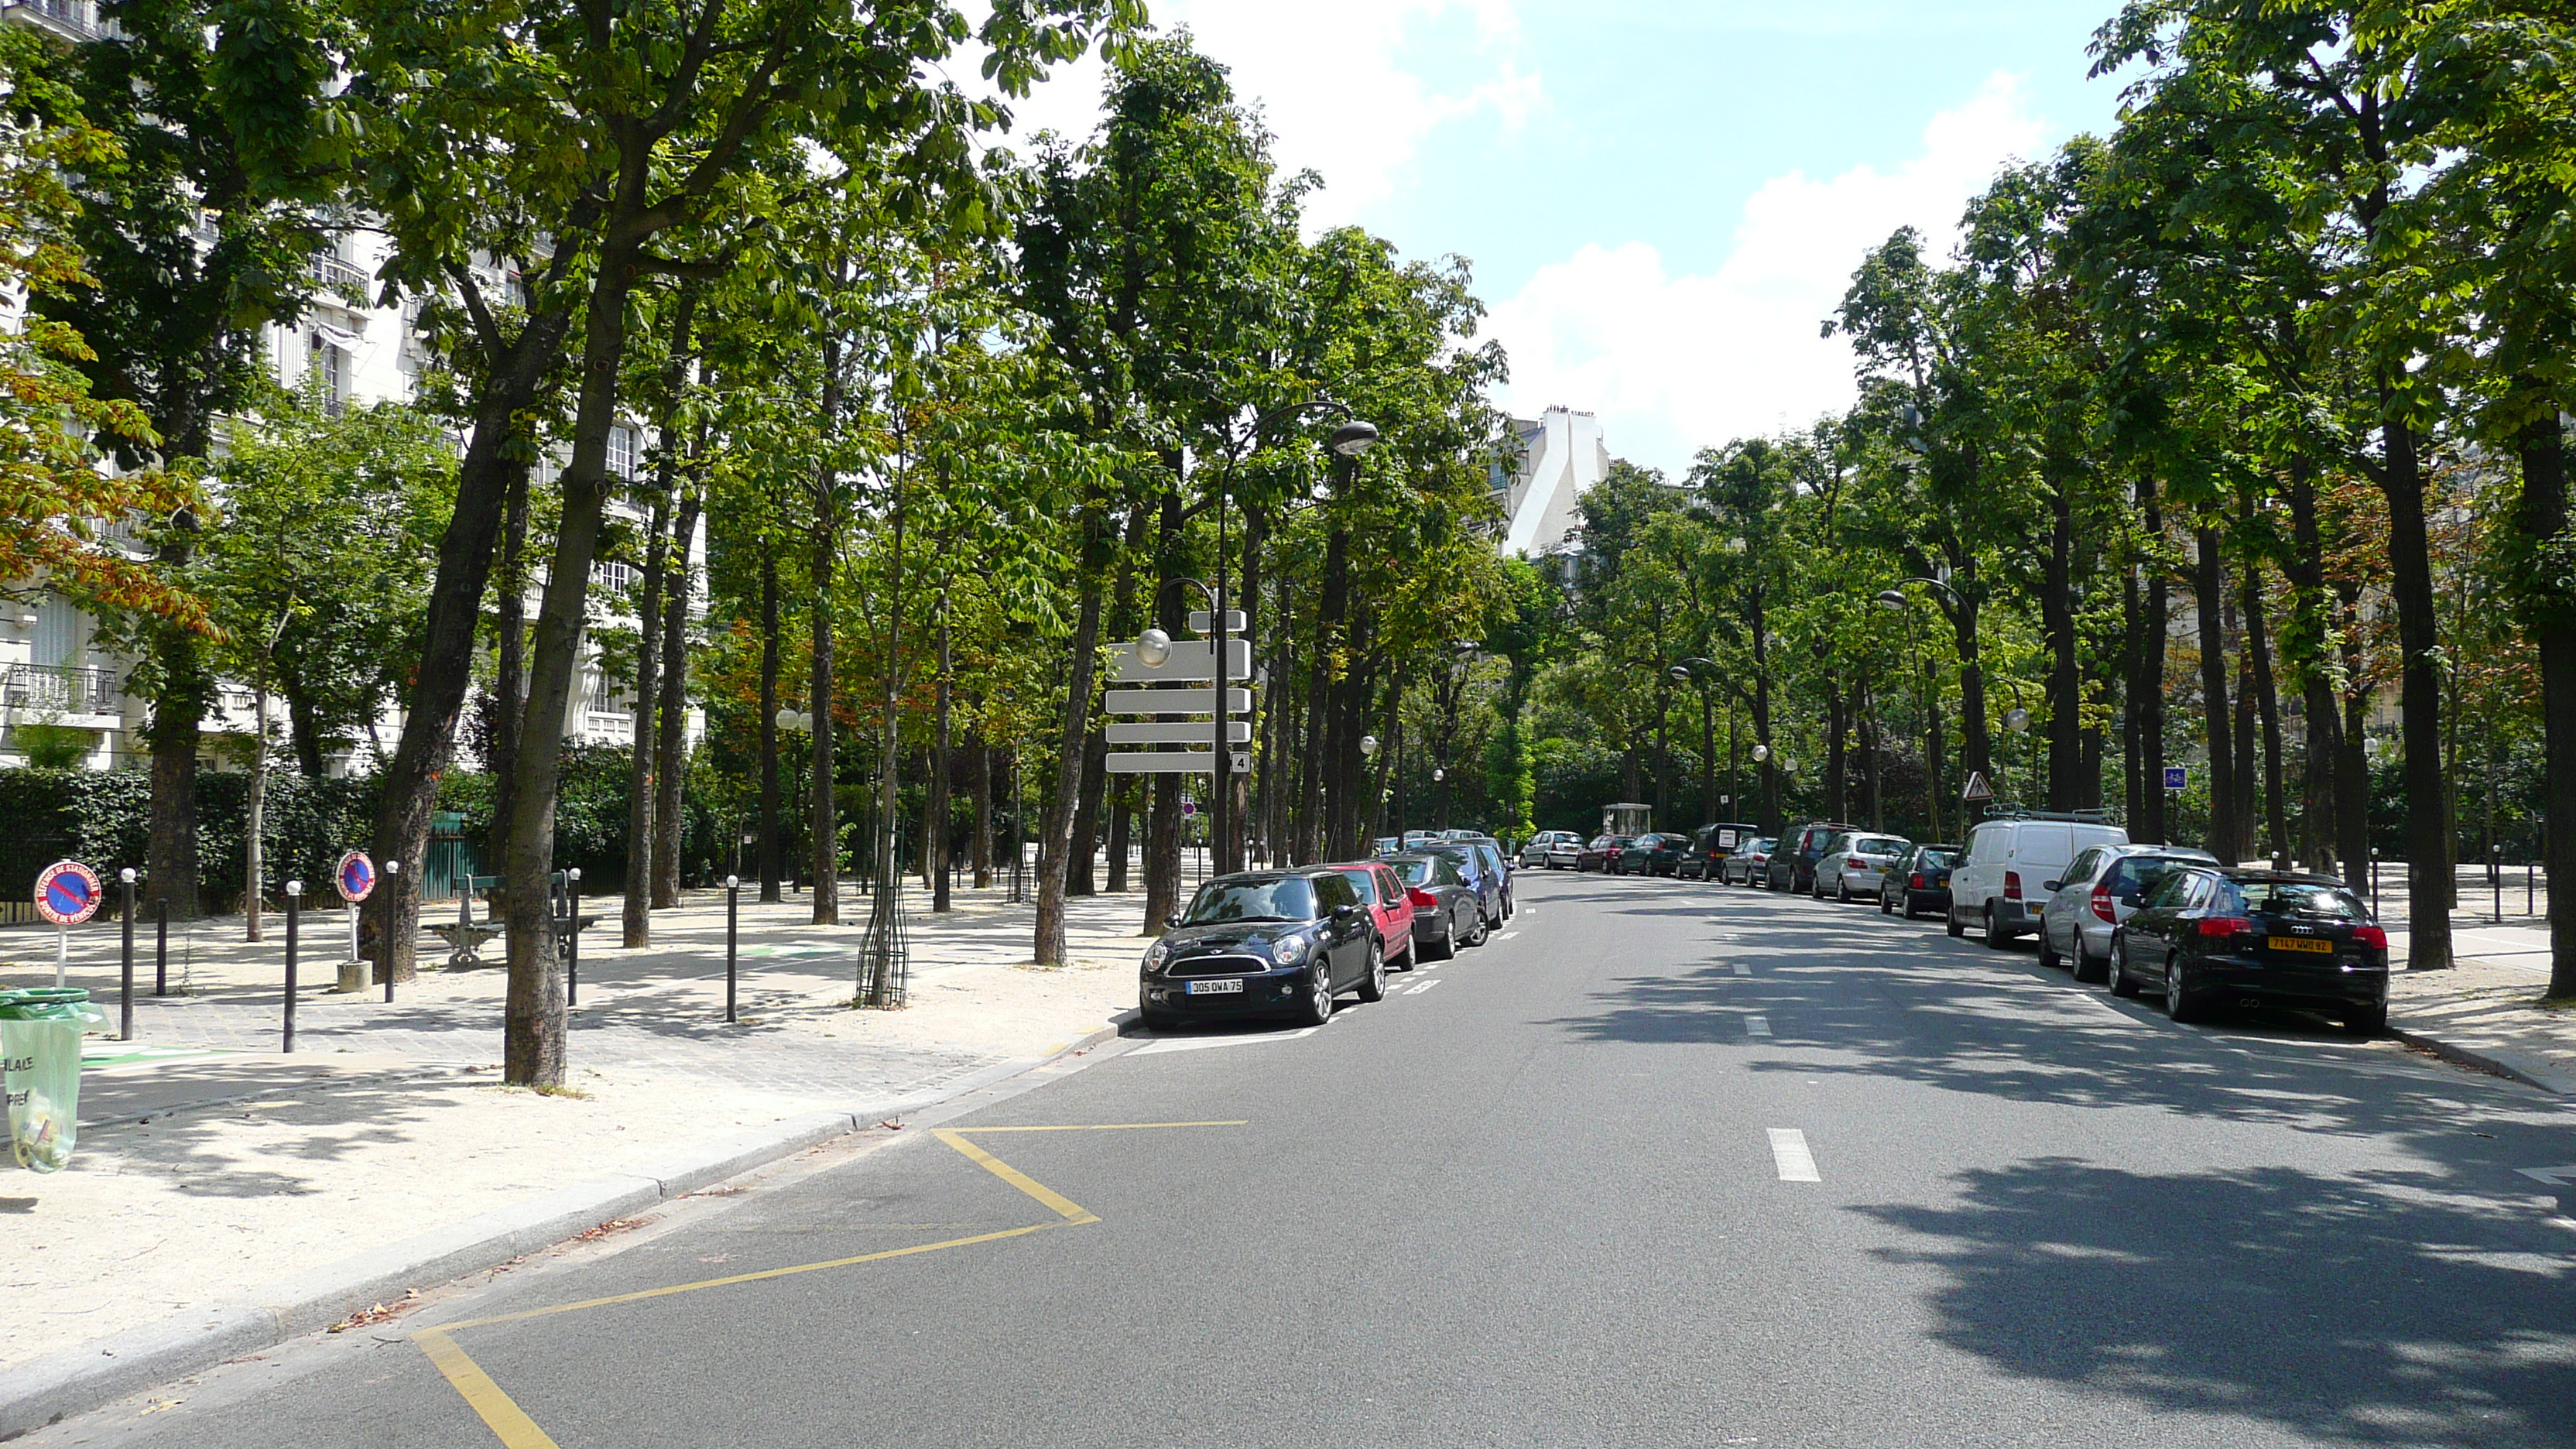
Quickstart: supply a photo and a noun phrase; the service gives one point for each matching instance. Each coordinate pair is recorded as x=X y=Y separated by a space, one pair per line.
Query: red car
x=1601 y=854
x=1390 y=908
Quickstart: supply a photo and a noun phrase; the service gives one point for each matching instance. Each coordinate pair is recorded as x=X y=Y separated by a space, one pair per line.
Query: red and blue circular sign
x=356 y=877
x=67 y=893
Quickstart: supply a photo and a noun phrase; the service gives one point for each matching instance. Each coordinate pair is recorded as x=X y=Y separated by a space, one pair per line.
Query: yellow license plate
x=2302 y=943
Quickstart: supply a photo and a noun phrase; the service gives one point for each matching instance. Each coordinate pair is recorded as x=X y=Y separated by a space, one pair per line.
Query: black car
x=1262 y=942
x=2228 y=936
x=1446 y=913
x=1920 y=883
x=1480 y=866
x=1654 y=853
x=1710 y=845
x=1793 y=862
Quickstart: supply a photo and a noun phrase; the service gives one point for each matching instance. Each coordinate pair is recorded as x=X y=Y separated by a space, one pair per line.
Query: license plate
x=2302 y=943
x=1230 y=987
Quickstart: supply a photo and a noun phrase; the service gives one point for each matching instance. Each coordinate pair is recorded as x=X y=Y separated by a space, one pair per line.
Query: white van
x=2013 y=865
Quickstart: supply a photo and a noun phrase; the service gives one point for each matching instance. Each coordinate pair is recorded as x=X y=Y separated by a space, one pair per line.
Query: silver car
x=2099 y=890
x=1552 y=850
x=1854 y=863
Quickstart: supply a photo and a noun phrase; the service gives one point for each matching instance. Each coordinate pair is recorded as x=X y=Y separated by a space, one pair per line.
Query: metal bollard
x=572 y=937
x=733 y=918
x=2527 y=908
x=294 y=899
x=2374 y=880
x=125 y=983
x=161 y=950
x=384 y=928
x=2495 y=878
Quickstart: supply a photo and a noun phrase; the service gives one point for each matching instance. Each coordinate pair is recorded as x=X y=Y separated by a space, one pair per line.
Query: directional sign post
x=356 y=879
x=67 y=894
x=2177 y=777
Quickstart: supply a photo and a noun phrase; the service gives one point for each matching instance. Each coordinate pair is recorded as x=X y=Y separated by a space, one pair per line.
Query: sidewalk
x=2487 y=1009
x=211 y=1164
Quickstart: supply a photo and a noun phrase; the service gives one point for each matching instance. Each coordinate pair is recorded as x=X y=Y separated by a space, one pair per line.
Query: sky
x=1662 y=200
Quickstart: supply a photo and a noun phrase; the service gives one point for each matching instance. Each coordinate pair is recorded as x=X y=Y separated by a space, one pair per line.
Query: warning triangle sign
x=1977 y=788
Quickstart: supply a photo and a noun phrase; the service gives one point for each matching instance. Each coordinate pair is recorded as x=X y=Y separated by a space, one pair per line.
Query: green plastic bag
x=40 y=1045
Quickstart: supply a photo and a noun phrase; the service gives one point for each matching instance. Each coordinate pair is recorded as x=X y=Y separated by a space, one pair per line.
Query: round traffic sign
x=67 y=893
x=356 y=877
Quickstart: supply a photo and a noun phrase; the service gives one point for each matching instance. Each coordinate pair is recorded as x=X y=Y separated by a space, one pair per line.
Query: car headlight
x=1287 y=949
x=1155 y=953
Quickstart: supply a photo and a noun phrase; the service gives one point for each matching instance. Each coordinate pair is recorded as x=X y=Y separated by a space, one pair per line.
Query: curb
x=2498 y=1060
x=48 y=1390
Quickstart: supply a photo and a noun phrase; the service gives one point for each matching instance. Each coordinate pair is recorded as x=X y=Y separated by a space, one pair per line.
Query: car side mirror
x=1344 y=913
x=2050 y=885
x=1173 y=920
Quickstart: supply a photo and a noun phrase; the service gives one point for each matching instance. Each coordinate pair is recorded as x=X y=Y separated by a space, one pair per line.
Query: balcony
x=73 y=20
x=343 y=277
x=64 y=688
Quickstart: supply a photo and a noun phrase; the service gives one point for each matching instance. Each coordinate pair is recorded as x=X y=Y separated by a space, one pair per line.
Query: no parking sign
x=356 y=877
x=67 y=893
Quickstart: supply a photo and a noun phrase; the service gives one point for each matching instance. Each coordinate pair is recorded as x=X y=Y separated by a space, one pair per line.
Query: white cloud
x=1330 y=81
x=1676 y=363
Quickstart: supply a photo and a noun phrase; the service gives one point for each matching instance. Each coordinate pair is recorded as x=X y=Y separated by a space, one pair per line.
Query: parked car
x=1920 y=882
x=1262 y=942
x=1483 y=874
x=1792 y=866
x=1750 y=863
x=1710 y=845
x=1385 y=845
x=1553 y=850
x=1415 y=838
x=2098 y=892
x=1382 y=891
x=2208 y=936
x=1653 y=853
x=1598 y=855
x=1999 y=881
x=1500 y=863
x=1855 y=861
x=1446 y=913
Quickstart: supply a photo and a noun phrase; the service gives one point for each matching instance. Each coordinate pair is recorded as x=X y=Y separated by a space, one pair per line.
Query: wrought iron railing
x=71 y=688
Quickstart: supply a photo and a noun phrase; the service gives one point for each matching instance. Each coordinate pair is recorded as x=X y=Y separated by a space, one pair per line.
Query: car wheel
x=2048 y=956
x=1995 y=938
x=1373 y=985
x=2090 y=971
x=1317 y=1008
x=1842 y=892
x=1445 y=945
x=1476 y=937
x=1909 y=904
x=2116 y=968
x=1886 y=907
x=2180 y=1003
x=1950 y=922
x=2367 y=1021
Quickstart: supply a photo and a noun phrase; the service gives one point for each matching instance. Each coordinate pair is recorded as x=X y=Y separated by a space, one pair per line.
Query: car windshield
x=1878 y=845
x=1932 y=860
x=2300 y=898
x=2135 y=875
x=1361 y=881
x=1284 y=898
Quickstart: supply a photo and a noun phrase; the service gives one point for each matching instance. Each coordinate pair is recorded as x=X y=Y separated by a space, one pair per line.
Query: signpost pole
x=294 y=899
x=733 y=919
x=161 y=947
x=125 y=980
x=62 y=953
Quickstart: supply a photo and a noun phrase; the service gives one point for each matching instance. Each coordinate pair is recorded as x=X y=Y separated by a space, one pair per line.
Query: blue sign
x=2177 y=777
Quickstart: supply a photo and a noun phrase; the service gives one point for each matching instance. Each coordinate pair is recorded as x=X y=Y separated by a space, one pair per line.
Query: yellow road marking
x=765 y=1273
x=1064 y=1207
x=517 y=1431
x=514 y=1429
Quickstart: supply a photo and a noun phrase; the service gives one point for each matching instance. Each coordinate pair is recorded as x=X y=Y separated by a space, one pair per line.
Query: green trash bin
x=40 y=1039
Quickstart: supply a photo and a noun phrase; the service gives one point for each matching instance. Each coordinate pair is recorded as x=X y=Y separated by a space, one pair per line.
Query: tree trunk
x=1055 y=839
x=1163 y=817
x=2303 y=651
x=636 y=916
x=491 y=473
x=982 y=847
x=2267 y=704
x=2156 y=822
x=1837 y=721
x=2209 y=588
x=935 y=828
x=178 y=715
x=671 y=769
x=2542 y=517
x=1122 y=836
x=770 y=854
x=2429 y=879
x=2057 y=635
x=509 y=663
x=1078 y=877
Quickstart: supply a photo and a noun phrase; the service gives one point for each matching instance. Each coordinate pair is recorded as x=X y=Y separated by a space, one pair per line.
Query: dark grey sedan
x=1446 y=913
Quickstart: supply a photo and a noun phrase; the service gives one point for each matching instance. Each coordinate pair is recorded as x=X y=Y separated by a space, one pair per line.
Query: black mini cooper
x=1260 y=943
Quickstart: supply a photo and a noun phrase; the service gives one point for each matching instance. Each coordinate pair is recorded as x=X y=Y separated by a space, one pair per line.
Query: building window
x=621 y=452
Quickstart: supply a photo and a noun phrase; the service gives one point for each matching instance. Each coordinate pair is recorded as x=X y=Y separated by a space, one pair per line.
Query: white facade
x=1562 y=456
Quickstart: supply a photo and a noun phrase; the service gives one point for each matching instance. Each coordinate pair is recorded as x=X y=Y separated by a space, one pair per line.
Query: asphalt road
x=1664 y=1164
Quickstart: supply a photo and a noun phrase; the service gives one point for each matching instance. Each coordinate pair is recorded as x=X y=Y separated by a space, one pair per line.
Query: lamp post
x=2017 y=720
x=1368 y=753
x=1698 y=671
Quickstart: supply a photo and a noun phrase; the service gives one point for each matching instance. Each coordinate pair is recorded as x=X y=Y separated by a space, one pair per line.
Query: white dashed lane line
x=1507 y=935
x=1757 y=1026
x=1743 y=970
x=1427 y=985
x=1790 y=1155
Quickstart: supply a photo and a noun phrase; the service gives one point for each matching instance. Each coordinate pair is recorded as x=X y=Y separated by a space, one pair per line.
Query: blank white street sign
x=1180 y=732
x=1789 y=1154
x=1177 y=701
x=1192 y=662
x=1162 y=762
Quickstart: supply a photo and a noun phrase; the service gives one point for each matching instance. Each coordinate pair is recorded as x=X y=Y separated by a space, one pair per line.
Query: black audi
x=1264 y=942
x=2214 y=937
